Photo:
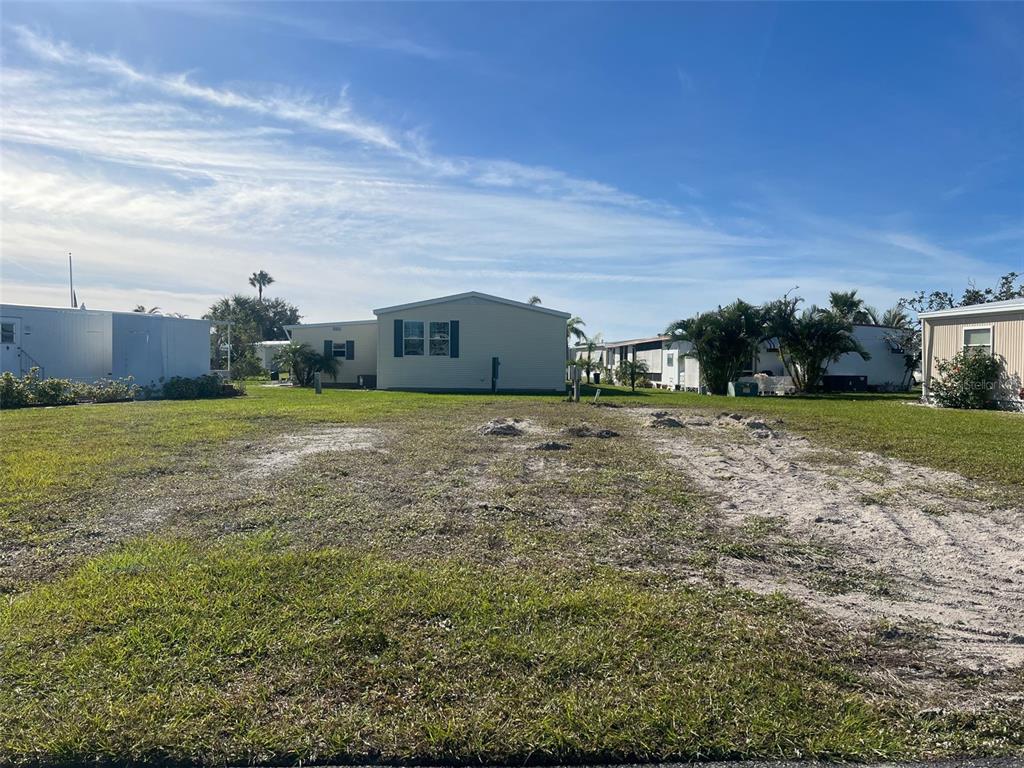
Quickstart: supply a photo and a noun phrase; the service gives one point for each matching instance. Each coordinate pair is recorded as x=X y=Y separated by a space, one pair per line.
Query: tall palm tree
x=574 y=329
x=260 y=280
x=150 y=311
x=533 y=301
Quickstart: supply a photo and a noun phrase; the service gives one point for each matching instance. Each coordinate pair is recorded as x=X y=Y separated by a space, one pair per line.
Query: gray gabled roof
x=990 y=308
x=470 y=295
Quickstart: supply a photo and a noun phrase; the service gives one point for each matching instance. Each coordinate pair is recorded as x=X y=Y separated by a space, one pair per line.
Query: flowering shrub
x=967 y=380
x=31 y=390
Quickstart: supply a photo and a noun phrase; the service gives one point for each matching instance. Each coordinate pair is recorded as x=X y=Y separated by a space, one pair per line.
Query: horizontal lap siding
x=530 y=344
x=364 y=338
x=944 y=338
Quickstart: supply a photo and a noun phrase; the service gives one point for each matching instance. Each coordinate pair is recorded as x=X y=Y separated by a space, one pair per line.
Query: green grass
x=986 y=445
x=247 y=651
x=436 y=599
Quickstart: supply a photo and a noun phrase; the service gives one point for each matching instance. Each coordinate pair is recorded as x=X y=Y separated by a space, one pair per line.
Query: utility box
x=366 y=381
x=742 y=389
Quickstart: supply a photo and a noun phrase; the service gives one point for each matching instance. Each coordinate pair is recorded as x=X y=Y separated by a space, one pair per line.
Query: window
x=439 y=339
x=413 y=338
x=670 y=360
x=338 y=349
x=7 y=333
x=978 y=338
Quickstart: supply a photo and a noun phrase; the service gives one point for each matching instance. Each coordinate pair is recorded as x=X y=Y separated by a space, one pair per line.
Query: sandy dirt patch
x=284 y=452
x=937 y=548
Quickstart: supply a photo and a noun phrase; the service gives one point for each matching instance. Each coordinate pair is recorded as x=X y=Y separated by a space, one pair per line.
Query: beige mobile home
x=352 y=344
x=471 y=342
x=997 y=327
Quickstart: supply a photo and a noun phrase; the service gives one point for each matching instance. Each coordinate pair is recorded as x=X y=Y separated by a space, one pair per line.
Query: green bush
x=199 y=388
x=13 y=391
x=247 y=366
x=107 y=391
x=967 y=380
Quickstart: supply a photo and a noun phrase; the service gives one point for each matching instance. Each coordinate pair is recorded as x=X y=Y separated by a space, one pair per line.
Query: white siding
x=886 y=368
x=362 y=334
x=88 y=344
x=64 y=343
x=531 y=345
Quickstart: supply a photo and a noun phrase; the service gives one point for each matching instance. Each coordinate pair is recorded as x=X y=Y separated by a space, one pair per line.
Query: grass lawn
x=432 y=594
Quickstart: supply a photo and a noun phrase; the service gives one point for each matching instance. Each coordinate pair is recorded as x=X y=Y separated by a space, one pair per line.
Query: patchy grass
x=987 y=445
x=440 y=596
x=247 y=651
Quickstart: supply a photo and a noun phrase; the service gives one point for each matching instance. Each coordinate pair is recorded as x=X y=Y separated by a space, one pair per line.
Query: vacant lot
x=369 y=575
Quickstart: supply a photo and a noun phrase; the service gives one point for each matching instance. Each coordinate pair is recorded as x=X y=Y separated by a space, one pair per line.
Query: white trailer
x=87 y=344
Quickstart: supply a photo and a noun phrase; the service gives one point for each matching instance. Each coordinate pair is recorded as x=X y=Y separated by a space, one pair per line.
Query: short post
x=317 y=383
x=597 y=395
x=495 y=365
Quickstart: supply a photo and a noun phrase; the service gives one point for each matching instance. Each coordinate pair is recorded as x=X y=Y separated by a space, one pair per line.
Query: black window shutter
x=399 y=341
x=328 y=348
x=350 y=349
x=453 y=338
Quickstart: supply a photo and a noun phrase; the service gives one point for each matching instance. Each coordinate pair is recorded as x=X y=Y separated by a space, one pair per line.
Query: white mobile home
x=469 y=342
x=352 y=344
x=86 y=344
x=997 y=327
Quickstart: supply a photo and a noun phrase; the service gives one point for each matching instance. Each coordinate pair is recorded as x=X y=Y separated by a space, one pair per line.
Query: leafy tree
x=847 y=305
x=259 y=281
x=1011 y=286
x=632 y=371
x=302 y=361
x=251 y=321
x=724 y=341
x=809 y=340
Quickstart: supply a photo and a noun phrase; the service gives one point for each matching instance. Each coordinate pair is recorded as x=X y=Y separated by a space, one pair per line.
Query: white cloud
x=170 y=192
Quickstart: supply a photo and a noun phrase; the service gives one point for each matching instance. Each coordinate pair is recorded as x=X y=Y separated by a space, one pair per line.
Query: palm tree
x=574 y=329
x=896 y=317
x=846 y=305
x=589 y=363
x=533 y=301
x=142 y=308
x=260 y=280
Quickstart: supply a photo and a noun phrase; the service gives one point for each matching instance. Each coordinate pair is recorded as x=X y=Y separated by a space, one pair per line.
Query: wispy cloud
x=171 y=189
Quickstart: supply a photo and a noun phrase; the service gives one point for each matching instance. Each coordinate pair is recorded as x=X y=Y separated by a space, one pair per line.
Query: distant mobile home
x=671 y=364
x=87 y=344
x=467 y=342
x=997 y=327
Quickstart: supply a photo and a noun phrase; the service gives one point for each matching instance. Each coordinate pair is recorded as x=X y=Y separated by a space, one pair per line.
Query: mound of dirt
x=585 y=430
x=662 y=420
x=503 y=428
x=551 y=445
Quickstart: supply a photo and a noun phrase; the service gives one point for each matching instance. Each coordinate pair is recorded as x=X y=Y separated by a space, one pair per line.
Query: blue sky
x=632 y=163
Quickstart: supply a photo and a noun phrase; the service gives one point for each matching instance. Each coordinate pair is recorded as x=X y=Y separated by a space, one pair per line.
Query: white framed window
x=440 y=344
x=670 y=360
x=338 y=348
x=978 y=338
x=8 y=331
x=413 y=337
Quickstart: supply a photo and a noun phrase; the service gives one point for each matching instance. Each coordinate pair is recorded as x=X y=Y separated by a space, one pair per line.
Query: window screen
x=413 y=339
x=6 y=333
x=978 y=337
x=439 y=339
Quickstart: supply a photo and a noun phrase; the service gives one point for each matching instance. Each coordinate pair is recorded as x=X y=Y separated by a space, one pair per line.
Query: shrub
x=247 y=366
x=107 y=391
x=202 y=387
x=13 y=391
x=967 y=380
